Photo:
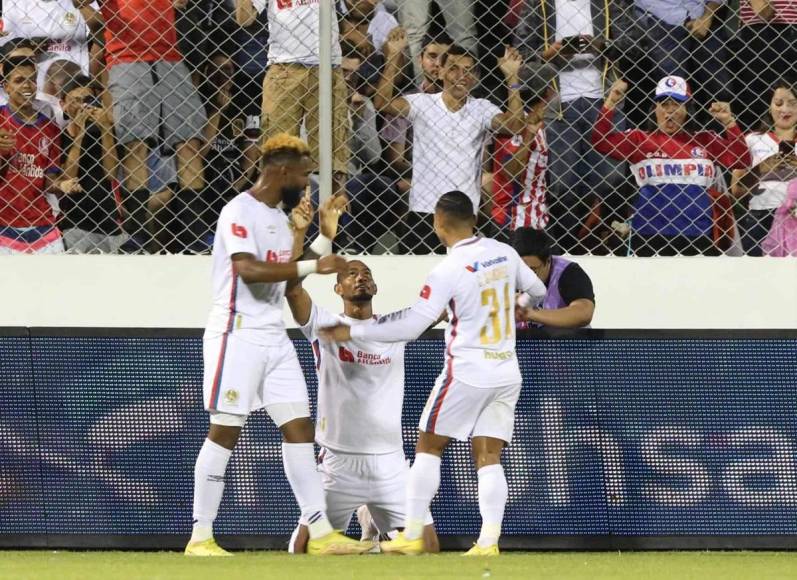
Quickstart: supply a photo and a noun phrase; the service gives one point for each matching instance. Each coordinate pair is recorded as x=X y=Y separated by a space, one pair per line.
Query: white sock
x=298 y=460
x=211 y=464
x=493 y=493
x=424 y=479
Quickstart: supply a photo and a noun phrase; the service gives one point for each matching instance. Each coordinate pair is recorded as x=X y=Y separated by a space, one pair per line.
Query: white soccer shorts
x=242 y=376
x=378 y=481
x=460 y=411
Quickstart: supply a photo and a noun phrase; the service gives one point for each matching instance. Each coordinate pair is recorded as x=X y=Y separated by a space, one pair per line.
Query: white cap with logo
x=673 y=87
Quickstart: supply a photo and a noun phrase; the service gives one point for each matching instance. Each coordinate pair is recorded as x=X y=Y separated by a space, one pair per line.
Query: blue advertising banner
x=626 y=436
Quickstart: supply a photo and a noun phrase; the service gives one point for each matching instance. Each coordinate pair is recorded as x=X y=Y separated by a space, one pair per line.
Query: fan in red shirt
x=29 y=156
x=521 y=161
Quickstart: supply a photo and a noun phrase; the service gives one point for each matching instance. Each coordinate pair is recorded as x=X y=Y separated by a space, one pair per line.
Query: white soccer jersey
x=476 y=284
x=360 y=389
x=447 y=148
x=57 y=20
x=293 y=31
x=248 y=226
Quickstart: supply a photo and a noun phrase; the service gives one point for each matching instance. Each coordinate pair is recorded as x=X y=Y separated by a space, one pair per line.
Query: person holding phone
x=91 y=219
x=577 y=38
x=774 y=166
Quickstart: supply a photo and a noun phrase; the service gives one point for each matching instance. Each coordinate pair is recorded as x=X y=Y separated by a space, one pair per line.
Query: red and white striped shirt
x=785 y=12
x=526 y=198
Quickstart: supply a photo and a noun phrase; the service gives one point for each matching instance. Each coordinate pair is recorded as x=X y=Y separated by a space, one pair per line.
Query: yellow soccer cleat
x=477 y=550
x=206 y=549
x=402 y=545
x=336 y=544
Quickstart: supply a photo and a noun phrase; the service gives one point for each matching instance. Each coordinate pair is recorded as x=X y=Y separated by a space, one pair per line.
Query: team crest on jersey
x=472 y=267
x=44 y=146
x=231 y=396
x=698 y=153
x=70 y=19
x=517 y=140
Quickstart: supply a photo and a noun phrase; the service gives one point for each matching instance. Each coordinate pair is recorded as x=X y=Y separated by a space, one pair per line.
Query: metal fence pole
x=327 y=13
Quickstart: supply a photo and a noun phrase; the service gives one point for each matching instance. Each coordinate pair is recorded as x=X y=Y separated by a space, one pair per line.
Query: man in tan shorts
x=290 y=89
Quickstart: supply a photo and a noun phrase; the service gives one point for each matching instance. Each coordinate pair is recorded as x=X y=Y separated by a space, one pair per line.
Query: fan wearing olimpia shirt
x=360 y=390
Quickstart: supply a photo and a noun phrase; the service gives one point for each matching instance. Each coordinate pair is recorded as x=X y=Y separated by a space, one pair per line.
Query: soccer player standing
x=360 y=396
x=250 y=362
x=476 y=394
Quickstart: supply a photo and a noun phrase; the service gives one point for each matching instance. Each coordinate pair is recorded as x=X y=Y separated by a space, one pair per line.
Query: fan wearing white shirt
x=476 y=394
x=360 y=392
x=450 y=131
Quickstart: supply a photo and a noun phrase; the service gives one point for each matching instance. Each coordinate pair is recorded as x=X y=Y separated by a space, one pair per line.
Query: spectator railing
x=160 y=111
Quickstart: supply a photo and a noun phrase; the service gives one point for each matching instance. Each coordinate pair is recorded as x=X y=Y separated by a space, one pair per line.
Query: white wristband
x=321 y=246
x=306 y=267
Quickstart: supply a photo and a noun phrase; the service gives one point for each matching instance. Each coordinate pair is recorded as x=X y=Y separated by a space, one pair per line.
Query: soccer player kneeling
x=360 y=395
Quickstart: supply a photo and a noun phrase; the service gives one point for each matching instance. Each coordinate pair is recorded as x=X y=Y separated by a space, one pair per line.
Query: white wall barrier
x=174 y=291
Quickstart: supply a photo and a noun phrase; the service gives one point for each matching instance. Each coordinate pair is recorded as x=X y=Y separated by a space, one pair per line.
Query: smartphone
x=571 y=45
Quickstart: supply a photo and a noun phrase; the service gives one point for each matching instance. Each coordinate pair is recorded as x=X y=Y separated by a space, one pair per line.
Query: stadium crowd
x=628 y=127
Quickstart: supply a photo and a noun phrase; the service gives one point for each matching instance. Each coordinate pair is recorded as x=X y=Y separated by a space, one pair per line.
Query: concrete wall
x=174 y=291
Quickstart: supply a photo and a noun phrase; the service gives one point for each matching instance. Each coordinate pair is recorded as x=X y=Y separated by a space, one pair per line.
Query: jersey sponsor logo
x=25 y=164
x=673 y=171
x=492 y=355
x=239 y=231
x=426 y=292
x=345 y=354
x=281 y=257
x=476 y=265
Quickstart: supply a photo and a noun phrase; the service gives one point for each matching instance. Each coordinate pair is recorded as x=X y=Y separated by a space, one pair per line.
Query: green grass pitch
x=44 y=565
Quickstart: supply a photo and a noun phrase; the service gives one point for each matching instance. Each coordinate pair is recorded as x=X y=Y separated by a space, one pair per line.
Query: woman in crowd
x=774 y=166
x=675 y=169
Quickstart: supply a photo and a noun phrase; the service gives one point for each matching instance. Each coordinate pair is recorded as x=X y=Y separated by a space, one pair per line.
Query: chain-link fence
x=626 y=127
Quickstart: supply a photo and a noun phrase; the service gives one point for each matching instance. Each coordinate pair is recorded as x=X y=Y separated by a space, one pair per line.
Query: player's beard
x=291 y=196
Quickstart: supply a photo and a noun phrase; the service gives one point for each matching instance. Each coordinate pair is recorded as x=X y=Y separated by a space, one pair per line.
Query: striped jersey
x=785 y=12
x=521 y=202
x=248 y=226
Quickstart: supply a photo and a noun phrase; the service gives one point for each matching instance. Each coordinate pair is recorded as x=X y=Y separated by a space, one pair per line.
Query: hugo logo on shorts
x=239 y=231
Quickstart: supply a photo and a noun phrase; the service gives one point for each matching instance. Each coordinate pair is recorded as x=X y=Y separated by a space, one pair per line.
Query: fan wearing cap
x=677 y=209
